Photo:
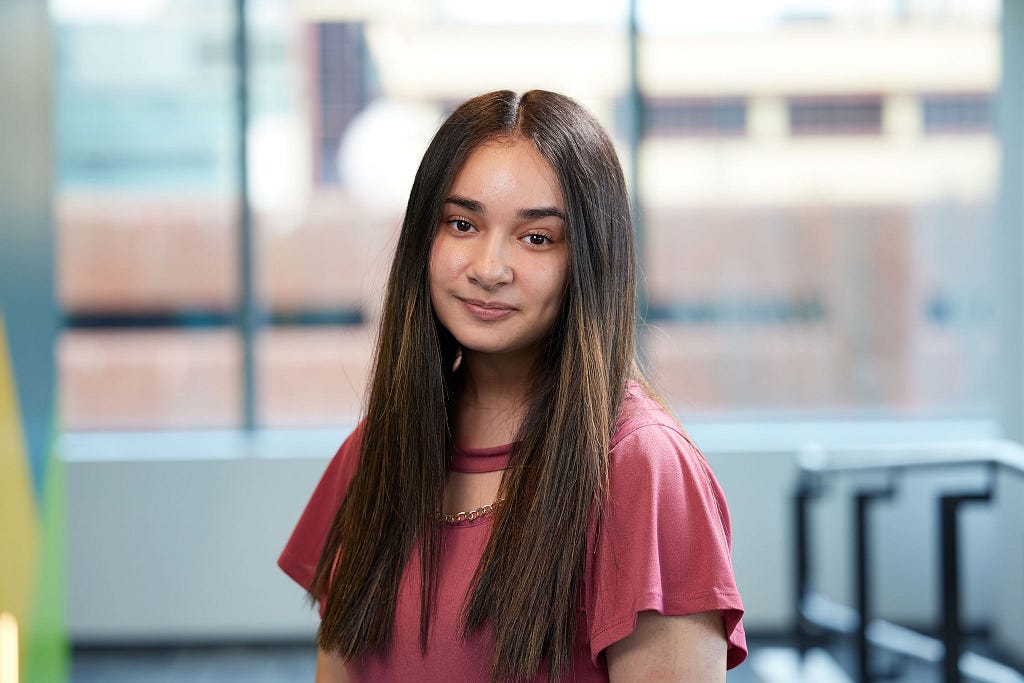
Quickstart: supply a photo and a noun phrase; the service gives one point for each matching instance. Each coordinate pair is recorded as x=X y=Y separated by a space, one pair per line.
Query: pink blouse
x=663 y=544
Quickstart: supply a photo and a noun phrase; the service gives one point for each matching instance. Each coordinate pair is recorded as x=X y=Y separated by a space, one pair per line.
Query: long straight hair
x=527 y=584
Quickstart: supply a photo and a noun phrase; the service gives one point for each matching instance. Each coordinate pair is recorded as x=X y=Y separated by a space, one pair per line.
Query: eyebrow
x=524 y=214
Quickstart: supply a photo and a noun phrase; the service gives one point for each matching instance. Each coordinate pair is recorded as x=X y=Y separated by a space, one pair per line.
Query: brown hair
x=527 y=584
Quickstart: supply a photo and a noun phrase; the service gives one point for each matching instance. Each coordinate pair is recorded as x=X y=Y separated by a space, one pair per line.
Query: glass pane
x=150 y=379
x=312 y=376
x=145 y=156
x=346 y=99
x=146 y=211
x=817 y=191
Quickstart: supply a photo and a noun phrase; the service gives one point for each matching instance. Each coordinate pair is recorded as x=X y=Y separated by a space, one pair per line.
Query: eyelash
x=547 y=240
x=453 y=222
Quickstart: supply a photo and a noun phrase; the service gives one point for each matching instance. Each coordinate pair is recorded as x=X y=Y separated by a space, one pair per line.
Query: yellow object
x=8 y=648
x=19 y=521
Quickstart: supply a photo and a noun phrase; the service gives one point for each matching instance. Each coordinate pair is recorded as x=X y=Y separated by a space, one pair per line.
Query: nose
x=489 y=267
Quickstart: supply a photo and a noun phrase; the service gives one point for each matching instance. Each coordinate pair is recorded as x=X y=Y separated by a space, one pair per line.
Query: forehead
x=508 y=170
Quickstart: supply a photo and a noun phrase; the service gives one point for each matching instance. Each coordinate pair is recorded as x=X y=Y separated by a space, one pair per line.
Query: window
x=835 y=115
x=807 y=244
x=147 y=221
x=342 y=88
x=695 y=117
x=957 y=113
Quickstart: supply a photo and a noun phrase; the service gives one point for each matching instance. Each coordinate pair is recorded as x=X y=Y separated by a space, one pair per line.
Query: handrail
x=999 y=453
x=816 y=465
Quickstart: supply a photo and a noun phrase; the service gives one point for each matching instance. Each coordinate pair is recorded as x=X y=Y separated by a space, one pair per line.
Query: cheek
x=446 y=260
x=435 y=277
x=432 y=264
x=557 y=278
x=437 y=267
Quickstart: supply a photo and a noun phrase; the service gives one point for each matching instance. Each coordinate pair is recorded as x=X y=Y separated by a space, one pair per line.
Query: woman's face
x=498 y=263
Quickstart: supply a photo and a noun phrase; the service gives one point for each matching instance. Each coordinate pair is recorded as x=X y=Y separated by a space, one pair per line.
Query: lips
x=487 y=311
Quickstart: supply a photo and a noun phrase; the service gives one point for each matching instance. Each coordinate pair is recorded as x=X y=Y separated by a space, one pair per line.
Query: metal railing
x=817 y=616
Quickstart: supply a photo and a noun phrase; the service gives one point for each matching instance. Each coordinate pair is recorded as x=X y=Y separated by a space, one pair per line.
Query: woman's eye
x=460 y=225
x=537 y=240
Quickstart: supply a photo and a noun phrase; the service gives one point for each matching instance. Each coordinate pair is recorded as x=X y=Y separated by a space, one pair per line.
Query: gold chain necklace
x=469 y=515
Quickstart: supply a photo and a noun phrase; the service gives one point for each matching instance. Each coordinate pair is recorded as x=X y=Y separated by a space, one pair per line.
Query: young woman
x=516 y=504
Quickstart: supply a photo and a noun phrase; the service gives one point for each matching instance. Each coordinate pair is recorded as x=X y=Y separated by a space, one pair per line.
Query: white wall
x=184 y=550
x=187 y=550
x=162 y=549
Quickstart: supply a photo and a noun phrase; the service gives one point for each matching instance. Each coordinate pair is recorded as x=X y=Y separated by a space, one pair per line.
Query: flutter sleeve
x=302 y=551
x=663 y=542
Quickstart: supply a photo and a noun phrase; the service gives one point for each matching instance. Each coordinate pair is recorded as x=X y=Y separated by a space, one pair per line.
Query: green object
x=47 y=655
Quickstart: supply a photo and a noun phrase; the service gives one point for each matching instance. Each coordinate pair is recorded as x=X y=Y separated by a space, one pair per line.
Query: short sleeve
x=302 y=551
x=663 y=542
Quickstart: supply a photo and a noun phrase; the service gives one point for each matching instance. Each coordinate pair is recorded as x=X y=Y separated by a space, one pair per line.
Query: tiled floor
x=250 y=664
x=277 y=664
x=281 y=664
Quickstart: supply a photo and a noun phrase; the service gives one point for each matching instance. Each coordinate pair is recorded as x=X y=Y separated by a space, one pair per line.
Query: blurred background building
x=783 y=156
x=817 y=186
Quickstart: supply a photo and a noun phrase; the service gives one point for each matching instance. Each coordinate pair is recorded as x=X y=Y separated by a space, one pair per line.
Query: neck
x=495 y=381
x=492 y=399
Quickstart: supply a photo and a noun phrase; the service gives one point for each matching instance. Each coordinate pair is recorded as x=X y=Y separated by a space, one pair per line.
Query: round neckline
x=478 y=460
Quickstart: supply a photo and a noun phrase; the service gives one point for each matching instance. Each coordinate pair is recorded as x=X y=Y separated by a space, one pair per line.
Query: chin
x=485 y=349
x=488 y=347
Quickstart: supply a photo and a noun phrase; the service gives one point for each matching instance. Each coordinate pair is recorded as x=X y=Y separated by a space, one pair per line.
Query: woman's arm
x=685 y=648
x=330 y=668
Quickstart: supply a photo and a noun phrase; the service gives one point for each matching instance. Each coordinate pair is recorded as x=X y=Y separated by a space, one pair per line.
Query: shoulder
x=663 y=538
x=647 y=432
x=341 y=469
x=348 y=452
x=302 y=551
x=652 y=458
x=640 y=409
